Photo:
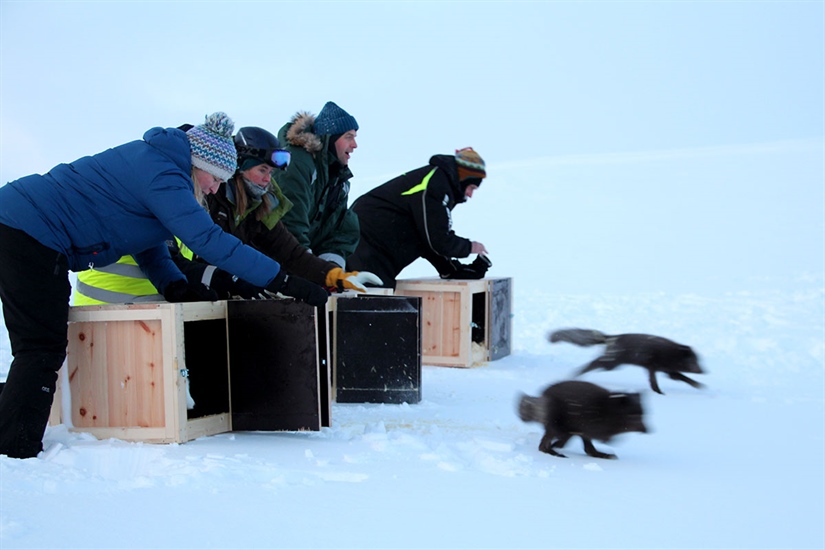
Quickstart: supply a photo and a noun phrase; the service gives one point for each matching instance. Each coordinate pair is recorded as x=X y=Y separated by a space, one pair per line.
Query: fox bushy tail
x=578 y=336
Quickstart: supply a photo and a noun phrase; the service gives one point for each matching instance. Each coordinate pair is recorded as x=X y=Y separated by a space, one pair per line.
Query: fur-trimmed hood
x=300 y=132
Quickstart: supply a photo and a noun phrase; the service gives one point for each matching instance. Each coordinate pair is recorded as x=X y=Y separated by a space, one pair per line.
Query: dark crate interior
x=208 y=368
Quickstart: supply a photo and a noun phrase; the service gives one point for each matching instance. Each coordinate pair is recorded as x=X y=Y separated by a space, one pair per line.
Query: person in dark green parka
x=317 y=182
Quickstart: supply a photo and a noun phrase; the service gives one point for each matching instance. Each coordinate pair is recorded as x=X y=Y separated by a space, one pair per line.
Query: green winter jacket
x=320 y=217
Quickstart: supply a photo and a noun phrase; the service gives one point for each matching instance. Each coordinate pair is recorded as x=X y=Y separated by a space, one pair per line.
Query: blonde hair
x=199 y=194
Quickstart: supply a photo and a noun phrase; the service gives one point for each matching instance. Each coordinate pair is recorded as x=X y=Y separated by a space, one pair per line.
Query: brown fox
x=654 y=353
x=580 y=408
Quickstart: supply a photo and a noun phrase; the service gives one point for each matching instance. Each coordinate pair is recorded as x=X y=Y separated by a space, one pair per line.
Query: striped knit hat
x=469 y=164
x=213 y=149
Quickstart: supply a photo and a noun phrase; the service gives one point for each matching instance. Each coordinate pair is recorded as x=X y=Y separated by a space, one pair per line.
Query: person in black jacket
x=409 y=217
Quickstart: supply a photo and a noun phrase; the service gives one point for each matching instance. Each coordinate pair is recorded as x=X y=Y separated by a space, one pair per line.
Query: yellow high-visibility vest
x=117 y=283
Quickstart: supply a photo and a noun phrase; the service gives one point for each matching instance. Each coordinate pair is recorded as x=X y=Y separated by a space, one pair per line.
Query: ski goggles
x=279 y=158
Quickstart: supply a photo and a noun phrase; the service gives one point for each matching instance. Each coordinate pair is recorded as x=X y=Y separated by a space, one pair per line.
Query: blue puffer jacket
x=128 y=201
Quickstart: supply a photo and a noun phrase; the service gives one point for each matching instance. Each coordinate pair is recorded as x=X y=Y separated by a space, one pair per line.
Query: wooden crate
x=375 y=348
x=463 y=322
x=127 y=366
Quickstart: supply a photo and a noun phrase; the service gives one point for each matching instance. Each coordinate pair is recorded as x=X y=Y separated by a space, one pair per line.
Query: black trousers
x=35 y=291
x=366 y=258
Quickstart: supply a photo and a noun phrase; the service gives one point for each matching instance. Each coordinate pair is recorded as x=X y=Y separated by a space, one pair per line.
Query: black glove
x=475 y=270
x=247 y=290
x=228 y=285
x=298 y=288
x=184 y=291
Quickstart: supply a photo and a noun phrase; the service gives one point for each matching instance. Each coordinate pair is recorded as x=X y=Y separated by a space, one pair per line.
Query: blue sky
x=516 y=80
x=620 y=112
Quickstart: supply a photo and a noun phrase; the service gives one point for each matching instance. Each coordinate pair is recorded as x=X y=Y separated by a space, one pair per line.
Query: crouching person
x=409 y=217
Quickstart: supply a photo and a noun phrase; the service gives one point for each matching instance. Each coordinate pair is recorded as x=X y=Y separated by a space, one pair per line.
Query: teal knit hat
x=213 y=149
x=333 y=120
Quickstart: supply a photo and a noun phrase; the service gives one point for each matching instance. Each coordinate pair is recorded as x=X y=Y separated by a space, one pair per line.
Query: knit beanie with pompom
x=213 y=149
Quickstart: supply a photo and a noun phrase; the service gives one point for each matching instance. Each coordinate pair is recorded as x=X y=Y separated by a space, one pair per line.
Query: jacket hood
x=447 y=164
x=300 y=132
x=173 y=144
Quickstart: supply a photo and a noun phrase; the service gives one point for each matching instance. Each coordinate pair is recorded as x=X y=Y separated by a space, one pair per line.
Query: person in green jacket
x=317 y=182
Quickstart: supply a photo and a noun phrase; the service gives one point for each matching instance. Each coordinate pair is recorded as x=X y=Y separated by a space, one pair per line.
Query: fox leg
x=683 y=378
x=598 y=363
x=653 y=383
x=547 y=443
x=591 y=450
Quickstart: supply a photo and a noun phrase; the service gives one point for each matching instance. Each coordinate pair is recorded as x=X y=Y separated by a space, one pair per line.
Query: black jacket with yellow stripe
x=409 y=217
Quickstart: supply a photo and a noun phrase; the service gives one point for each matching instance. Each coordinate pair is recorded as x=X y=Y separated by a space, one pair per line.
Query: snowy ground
x=652 y=167
x=740 y=464
x=707 y=259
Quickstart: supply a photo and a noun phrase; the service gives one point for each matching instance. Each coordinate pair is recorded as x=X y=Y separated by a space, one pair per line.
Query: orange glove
x=354 y=280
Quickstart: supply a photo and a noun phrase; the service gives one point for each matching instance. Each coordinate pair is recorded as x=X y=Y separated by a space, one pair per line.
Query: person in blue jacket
x=126 y=200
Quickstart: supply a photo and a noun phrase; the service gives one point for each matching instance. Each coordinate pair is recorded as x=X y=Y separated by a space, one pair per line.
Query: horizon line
x=781 y=146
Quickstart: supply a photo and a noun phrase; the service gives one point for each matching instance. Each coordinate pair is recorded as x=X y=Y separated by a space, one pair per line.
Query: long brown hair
x=242 y=200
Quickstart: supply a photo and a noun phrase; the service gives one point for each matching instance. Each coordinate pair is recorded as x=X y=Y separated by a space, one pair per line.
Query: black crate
x=377 y=349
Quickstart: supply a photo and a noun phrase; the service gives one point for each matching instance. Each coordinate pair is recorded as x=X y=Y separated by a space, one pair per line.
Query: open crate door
x=275 y=375
x=501 y=323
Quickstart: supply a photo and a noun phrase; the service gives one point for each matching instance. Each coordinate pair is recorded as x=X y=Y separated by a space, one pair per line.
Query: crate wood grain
x=127 y=367
x=464 y=323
